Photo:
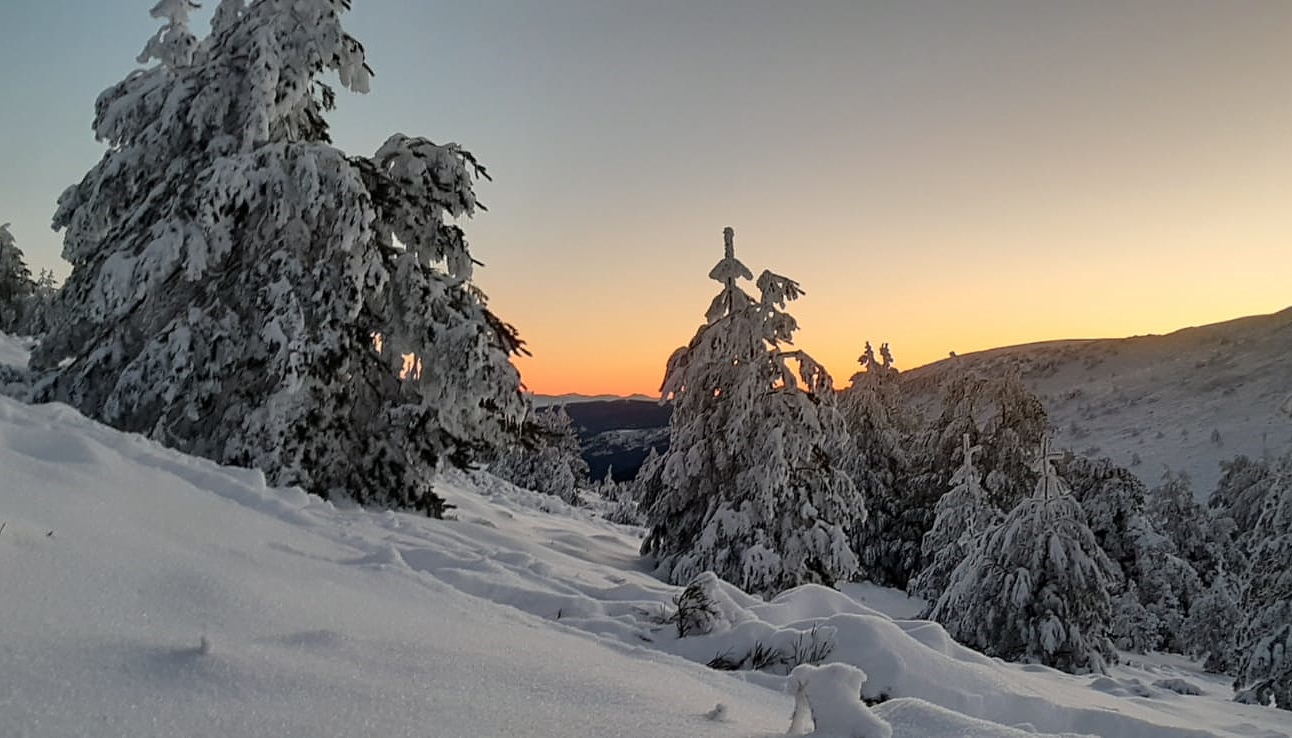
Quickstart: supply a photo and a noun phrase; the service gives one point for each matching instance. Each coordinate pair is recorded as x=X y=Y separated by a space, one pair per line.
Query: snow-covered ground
x=14 y=350
x=147 y=593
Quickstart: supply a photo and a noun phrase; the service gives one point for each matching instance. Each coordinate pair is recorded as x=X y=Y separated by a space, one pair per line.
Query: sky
x=943 y=176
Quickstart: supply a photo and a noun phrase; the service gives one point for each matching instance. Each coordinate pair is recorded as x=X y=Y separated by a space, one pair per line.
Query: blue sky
x=945 y=175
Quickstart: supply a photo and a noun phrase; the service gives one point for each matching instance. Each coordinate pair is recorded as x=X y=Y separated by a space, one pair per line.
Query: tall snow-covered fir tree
x=1036 y=587
x=1264 y=653
x=1172 y=509
x=963 y=515
x=888 y=542
x=16 y=285
x=549 y=462
x=752 y=486
x=243 y=290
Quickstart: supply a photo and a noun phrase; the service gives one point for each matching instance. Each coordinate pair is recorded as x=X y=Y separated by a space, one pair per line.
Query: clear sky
x=950 y=175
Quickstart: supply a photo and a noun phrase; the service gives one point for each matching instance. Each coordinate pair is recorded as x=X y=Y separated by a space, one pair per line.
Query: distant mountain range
x=1185 y=401
x=616 y=432
x=550 y=400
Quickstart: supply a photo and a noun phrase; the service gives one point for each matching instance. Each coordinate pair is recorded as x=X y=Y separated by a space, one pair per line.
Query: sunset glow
x=943 y=176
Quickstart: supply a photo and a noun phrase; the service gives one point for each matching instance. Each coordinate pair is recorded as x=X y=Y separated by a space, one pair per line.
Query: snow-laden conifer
x=1036 y=587
x=963 y=515
x=1159 y=581
x=549 y=462
x=1173 y=511
x=1003 y=418
x=1113 y=499
x=1264 y=654
x=1211 y=630
x=1239 y=497
x=751 y=486
x=245 y=291
x=1017 y=425
x=887 y=543
x=16 y=285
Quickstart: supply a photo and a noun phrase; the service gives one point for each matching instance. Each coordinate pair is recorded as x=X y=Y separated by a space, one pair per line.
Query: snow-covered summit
x=1186 y=400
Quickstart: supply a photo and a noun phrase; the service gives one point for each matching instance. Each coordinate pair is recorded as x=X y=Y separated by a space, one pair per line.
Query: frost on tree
x=962 y=516
x=245 y=291
x=1265 y=645
x=751 y=486
x=16 y=285
x=1036 y=587
x=549 y=462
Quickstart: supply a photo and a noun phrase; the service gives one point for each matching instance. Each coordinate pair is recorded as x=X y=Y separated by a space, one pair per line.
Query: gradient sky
x=950 y=175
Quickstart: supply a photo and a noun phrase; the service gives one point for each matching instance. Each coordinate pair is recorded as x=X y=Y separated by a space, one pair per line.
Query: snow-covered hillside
x=1186 y=400
x=147 y=593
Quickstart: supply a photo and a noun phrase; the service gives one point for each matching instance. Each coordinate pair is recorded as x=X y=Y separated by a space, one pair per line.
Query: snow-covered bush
x=243 y=290
x=751 y=486
x=1036 y=587
x=830 y=696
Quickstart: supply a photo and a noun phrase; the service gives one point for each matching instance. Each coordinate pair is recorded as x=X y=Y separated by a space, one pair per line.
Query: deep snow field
x=147 y=593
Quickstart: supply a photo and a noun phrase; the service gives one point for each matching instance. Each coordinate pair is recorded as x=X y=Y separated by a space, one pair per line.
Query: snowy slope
x=151 y=594
x=120 y=560
x=1151 y=402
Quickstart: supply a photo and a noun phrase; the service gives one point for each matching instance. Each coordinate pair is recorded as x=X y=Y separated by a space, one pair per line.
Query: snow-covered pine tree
x=1036 y=587
x=1113 y=499
x=1002 y=417
x=16 y=285
x=1009 y=437
x=1134 y=627
x=38 y=313
x=245 y=291
x=1239 y=497
x=648 y=486
x=751 y=483
x=1172 y=509
x=1211 y=630
x=550 y=463
x=962 y=516
x=1264 y=655
x=622 y=507
x=887 y=543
